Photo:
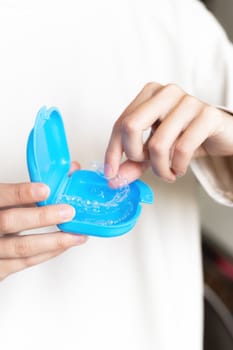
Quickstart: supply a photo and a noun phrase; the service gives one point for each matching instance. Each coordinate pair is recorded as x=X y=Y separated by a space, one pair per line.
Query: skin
x=181 y=127
x=19 y=213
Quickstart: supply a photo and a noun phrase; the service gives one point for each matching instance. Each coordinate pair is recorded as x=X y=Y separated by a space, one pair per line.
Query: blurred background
x=222 y=9
x=217 y=240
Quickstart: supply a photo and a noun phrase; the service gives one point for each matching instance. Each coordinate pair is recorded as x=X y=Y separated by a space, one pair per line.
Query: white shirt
x=90 y=58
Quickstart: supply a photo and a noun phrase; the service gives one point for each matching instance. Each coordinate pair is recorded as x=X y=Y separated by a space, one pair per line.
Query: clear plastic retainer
x=104 y=209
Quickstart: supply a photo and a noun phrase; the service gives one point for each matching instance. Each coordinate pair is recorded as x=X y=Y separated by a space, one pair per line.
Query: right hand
x=18 y=213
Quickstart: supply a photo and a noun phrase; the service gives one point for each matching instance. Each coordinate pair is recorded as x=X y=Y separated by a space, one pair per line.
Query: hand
x=17 y=213
x=181 y=127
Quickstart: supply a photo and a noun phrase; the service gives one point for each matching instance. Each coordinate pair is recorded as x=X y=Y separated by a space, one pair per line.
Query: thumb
x=130 y=170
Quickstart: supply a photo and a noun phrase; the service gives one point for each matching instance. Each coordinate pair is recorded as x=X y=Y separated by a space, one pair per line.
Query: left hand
x=19 y=213
x=182 y=127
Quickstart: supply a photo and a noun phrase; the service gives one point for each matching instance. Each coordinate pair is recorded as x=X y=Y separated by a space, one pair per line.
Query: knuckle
x=150 y=86
x=116 y=125
x=43 y=216
x=19 y=193
x=5 y=222
x=173 y=87
x=128 y=126
x=208 y=110
x=61 y=243
x=182 y=149
x=190 y=100
x=156 y=148
x=22 y=247
x=210 y=113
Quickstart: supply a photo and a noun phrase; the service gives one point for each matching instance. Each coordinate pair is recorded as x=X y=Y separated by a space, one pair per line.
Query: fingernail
x=113 y=183
x=170 y=180
x=108 y=172
x=118 y=182
x=177 y=173
x=39 y=191
x=66 y=212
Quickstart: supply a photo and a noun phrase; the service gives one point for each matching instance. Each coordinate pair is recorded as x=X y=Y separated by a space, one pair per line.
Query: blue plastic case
x=100 y=210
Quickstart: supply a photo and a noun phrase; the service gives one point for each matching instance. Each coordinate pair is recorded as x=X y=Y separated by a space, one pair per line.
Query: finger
x=22 y=193
x=193 y=137
x=130 y=171
x=149 y=90
x=114 y=150
x=20 y=219
x=113 y=154
x=147 y=113
x=9 y=266
x=30 y=245
x=74 y=166
x=160 y=145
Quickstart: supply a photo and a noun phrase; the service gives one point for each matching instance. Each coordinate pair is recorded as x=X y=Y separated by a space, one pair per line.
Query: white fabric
x=90 y=58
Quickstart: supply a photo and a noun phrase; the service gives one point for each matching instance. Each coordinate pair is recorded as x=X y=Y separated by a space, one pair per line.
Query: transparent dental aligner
x=107 y=206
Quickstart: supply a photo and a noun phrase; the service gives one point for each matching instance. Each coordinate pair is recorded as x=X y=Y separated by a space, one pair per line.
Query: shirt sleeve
x=213 y=83
x=215 y=174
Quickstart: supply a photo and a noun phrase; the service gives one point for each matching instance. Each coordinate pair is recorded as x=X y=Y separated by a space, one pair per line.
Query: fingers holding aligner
x=115 y=149
x=168 y=111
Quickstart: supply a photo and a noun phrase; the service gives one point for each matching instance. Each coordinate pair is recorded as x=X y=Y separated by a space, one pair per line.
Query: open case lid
x=48 y=155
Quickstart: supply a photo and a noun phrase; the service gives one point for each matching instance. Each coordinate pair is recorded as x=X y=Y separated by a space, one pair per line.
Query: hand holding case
x=100 y=210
